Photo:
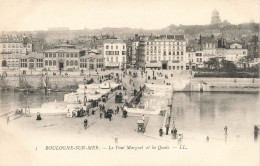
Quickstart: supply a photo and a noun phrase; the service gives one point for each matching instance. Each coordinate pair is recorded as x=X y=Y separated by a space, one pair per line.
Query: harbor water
x=204 y=113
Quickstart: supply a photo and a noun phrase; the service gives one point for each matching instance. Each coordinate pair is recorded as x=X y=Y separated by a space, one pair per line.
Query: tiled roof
x=179 y=37
x=62 y=50
x=114 y=41
x=35 y=55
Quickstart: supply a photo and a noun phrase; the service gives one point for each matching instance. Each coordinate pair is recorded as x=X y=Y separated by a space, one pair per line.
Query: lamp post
x=85 y=98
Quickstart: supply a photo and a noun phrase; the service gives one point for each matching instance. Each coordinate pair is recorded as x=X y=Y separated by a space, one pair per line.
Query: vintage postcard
x=129 y=82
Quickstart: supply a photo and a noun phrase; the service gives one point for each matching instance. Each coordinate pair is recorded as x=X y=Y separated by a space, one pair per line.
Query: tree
x=213 y=63
x=228 y=66
x=242 y=61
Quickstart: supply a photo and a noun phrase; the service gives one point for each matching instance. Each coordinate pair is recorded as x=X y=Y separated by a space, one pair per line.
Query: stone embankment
x=56 y=82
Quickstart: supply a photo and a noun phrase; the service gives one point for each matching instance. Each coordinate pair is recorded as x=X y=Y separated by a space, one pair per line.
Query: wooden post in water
x=256 y=132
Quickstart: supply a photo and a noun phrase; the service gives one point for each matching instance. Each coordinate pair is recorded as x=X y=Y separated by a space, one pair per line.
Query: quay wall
x=54 y=81
x=216 y=84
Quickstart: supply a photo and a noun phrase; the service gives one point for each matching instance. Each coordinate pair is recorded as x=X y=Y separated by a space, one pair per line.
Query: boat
x=3 y=85
x=23 y=85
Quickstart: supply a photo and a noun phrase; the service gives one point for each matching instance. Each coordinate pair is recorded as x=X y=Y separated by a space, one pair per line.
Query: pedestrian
x=110 y=116
x=167 y=129
x=115 y=110
x=85 y=124
x=161 y=132
x=88 y=111
x=175 y=133
x=143 y=118
x=225 y=129
x=101 y=114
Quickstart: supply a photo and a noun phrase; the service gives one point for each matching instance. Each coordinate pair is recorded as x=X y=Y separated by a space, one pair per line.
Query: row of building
x=167 y=52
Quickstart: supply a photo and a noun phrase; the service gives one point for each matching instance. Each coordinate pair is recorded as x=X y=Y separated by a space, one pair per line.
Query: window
x=147 y=58
x=71 y=63
x=164 y=52
x=123 y=52
x=116 y=47
x=71 y=55
x=107 y=52
x=177 y=52
x=107 y=59
x=76 y=63
x=54 y=63
x=67 y=55
x=67 y=63
x=50 y=63
x=123 y=47
x=123 y=59
x=50 y=55
x=116 y=59
x=112 y=59
x=46 y=55
x=76 y=55
x=46 y=63
x=181 y=53
x=169 y=53
x=107 y=47
x=111 y=52
x=116 y=52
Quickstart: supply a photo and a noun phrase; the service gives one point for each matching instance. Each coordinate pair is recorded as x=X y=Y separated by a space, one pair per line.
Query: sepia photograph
x=129 y=83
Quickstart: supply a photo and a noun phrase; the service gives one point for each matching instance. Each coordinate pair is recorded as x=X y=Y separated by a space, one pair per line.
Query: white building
x=235 y=52
x=165 y=52
x=10 y=53
x=115 y=53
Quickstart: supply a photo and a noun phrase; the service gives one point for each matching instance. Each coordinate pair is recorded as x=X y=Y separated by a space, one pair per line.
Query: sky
x=20 y=15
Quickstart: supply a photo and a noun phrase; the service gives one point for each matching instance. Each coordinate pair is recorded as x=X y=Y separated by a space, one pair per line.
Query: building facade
x=62 y=59
x=235 y=52
x=134 y=51
x=11 y=51
x=115 y=53
x=165 y=52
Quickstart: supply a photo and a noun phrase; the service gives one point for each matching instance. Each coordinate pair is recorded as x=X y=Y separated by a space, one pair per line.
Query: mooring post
x=256 y=132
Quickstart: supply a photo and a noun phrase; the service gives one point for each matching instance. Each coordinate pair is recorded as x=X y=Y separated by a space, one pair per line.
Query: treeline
x=227 y=69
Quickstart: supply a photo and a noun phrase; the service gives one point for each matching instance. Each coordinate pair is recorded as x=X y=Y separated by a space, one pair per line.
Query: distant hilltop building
x=215 y=19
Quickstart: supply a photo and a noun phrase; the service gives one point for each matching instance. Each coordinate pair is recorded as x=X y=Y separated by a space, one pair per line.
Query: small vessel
x=3 y=85
x=23 y=85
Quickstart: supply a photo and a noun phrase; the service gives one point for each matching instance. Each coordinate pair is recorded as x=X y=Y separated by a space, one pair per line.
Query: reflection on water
x=208 y=113
x=10 y=101
x=204 y=113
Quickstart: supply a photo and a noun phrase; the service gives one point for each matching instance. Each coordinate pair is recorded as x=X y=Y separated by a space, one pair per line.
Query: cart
x=140 y=124
x=119 y=98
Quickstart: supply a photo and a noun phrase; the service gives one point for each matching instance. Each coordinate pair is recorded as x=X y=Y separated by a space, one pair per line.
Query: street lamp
x=85 y=98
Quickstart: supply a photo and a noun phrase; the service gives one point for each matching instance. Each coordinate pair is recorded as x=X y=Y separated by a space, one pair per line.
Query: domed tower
x=215 y=19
